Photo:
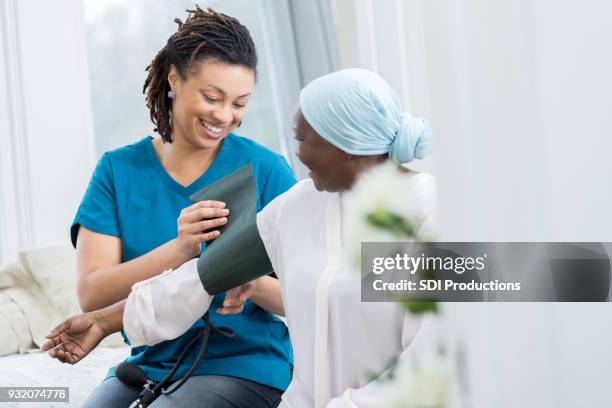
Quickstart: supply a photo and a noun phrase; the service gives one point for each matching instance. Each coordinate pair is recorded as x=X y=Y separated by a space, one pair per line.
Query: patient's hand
x=73 y=339
x=235 y=298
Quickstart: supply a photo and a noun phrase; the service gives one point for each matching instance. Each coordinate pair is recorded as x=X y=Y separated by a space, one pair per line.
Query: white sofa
x=37 y=292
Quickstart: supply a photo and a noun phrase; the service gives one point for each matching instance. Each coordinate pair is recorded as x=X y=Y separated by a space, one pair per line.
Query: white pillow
x=15 y=336
x=43 y=284
x=19 y=289
x=54 y=270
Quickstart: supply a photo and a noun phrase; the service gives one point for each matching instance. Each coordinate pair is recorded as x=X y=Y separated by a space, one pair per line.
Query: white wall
x=519 y=93
x=46 y=132
x=519 y=96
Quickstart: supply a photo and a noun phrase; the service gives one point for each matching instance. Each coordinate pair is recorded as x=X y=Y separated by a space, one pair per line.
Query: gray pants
x=209 y=391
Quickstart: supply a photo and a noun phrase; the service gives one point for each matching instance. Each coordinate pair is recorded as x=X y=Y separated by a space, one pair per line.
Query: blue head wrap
x=358 y=112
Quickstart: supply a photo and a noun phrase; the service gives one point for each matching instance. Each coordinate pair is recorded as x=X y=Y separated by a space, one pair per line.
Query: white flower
x=423 y=383
x=384 y=189
x=388 y=205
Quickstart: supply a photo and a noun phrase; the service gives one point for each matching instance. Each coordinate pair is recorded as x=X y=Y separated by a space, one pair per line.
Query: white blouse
x=339 y=343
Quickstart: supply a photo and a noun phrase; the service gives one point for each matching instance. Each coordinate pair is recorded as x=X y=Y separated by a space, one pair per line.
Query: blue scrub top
x=132 y=197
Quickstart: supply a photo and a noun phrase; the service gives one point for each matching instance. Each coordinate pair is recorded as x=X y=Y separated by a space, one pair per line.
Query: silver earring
x=171 y=94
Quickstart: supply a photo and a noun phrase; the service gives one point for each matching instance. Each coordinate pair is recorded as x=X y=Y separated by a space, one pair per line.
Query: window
x=123 y=37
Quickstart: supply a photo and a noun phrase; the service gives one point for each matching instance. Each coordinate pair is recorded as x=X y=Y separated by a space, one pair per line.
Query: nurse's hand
x=197 y=224
x=235 y=299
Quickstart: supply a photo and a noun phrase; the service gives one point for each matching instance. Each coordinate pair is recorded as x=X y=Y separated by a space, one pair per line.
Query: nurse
x=347 y=122
x=125 y=230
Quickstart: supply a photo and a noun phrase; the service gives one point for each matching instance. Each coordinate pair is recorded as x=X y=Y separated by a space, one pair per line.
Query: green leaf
x=397 y=224
x=421 y=307
x=402 y=227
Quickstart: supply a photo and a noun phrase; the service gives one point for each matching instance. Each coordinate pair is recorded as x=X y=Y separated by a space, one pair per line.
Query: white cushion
x=43 y=284
x=15 y=336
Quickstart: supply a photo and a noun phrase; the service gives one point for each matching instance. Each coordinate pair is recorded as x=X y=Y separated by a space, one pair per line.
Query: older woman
x=347 y=122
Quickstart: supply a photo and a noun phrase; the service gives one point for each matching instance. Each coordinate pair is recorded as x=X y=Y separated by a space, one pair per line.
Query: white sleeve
x=267 y=226
x=165 y=306
x=417 y=335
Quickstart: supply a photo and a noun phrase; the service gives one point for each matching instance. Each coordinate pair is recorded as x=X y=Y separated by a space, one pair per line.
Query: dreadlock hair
x=204 y=35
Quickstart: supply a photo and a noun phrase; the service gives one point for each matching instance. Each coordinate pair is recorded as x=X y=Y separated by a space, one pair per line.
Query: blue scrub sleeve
x=98 y=210
x=279 y=180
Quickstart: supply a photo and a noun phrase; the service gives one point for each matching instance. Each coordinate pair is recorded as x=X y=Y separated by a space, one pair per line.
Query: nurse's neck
x=183 y=161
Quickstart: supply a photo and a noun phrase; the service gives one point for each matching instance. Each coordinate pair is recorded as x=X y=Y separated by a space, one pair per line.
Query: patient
x=347 y=122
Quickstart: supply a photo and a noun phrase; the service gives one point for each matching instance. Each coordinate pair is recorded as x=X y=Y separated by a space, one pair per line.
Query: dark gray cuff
x=237 y=256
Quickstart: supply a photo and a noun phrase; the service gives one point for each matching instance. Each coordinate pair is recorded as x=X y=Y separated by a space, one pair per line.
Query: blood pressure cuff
x=238 y=255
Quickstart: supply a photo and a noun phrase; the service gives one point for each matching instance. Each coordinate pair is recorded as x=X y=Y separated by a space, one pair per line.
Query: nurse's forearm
x=267 y=294
x=106 y=285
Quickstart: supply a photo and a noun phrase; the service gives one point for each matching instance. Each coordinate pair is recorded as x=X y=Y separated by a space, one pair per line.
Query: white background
x=518 y=94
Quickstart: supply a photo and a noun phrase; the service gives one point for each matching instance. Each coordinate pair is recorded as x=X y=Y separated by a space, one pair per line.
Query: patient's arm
x=157 y=309
x=164 y=307
x=73 y=339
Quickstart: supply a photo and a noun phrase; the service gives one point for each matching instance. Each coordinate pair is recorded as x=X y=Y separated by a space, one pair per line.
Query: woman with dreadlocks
x=197 y=89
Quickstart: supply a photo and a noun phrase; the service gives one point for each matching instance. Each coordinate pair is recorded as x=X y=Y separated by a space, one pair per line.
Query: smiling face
x=210 y=102
x=331 y=169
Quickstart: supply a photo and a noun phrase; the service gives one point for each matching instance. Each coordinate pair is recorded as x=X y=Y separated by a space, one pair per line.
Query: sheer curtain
x=386 y=36
x=45 y=122
x=302 y=45
x=518 y=94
